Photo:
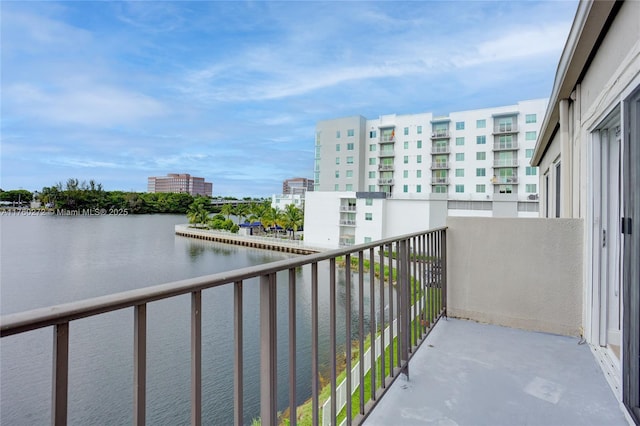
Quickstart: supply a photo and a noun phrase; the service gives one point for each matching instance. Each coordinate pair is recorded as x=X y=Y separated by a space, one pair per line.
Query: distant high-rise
x=297 y=185
x=180 y=182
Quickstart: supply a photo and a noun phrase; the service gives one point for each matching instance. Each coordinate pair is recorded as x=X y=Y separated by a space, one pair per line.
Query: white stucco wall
x=322 y=219
x=523 y=273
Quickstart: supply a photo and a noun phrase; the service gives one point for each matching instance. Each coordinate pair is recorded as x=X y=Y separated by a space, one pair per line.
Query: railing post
x=268 y=351
x=403 y=313
x=140 y=364
x=60 y=380
x=444 y=272
x=196 y=358
x=238 y=356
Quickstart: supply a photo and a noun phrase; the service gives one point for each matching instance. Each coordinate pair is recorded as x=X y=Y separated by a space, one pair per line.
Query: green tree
x=227 y=210
x=198 y=213
x=293 y=218
x=243 y=211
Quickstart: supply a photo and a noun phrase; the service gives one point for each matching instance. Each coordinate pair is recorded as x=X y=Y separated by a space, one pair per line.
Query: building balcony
x=451 y=346
x=439 y=181
x=504 y=180
x=504 y=129
x=347 y=222
x=510 y=146
x=387 y=139
x=386 y=153
x=446 y=149
x=387 y=181
x=440 y=165
x=505 y=163
x=441 y=134
x=385 y=167
x=349 y=208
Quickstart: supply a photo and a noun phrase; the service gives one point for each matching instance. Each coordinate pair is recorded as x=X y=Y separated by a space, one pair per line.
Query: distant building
x=281 y=201
x=297 y=185
x=180 y=182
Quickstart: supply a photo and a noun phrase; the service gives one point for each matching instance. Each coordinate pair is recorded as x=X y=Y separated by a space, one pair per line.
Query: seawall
x=296 y=247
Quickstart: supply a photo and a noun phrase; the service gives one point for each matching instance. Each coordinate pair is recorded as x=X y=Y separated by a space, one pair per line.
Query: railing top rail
x=44 y=317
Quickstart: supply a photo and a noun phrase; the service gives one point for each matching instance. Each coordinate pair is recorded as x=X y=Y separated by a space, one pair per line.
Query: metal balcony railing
x=385 y=167
x=439 y=180
x=505 y=146
x=440 y=134
x=415 y=262
x=347 y=222
x=386 y=153
x=505 y=180
x=512 y=162
x=387 y=138
x=386 y=181
x=444 y=149
x=440 y=165
x=347 y=208
x=505 y=128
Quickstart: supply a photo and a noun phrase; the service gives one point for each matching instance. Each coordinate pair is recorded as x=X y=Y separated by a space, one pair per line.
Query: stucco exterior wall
x=522 y=273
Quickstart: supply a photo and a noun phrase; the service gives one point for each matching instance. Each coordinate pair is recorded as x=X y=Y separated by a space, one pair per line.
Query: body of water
x=48 y=260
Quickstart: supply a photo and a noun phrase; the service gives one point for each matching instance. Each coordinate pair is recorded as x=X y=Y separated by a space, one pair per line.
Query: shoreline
x=267 y=243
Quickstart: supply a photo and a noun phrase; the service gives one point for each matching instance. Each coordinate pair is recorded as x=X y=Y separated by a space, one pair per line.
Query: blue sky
x=231 y=91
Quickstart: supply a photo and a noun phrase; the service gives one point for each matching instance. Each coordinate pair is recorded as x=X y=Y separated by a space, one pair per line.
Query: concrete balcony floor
x=467 y=373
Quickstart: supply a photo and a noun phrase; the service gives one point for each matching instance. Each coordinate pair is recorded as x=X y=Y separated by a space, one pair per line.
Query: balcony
x=347 y=222
x=386 y=153
x=348 y=208
x=439 y=181
x=440 y=134
x=503 y=129
x=505 y=180
x=505 y=146
x=480 y=371
x=387 y=181
x=387 y=138
x=445 y=149
x=511 y=162
x=385 y=167
x=440 y=165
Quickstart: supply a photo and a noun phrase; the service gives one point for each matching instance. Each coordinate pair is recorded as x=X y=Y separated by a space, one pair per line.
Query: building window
x=336 y=187
x=337 y=147
x=367 y=240
x=440 y=189
x=406 y=145
x=419 y=144
x=418 y=188
x=459 y=188
x=531 y=171
x=368 y=201
x=349 y=160
x=349 y=187
x=480 y=172
x=419 y=130
x=405 y=188
x=459 y=172
x=531 y=188
x=406 y=131
x=460 y=125
x=546 y=194
x=372 y=134
x=350 y=132
x=481 y=140
x=530 y=136
x=460 y=141
x=372 y=161
x=372 y=188
x=419 y=158
x=406 y=159
x=372 y=147
x=405 y=173
x=480 y=189
x=460 y=156
x=528 y=153
x=337 y=134
x=481 y=155
x=481 y=124
x=337 y=174
x=530 y=118
x=349 y=147
x=337 y=160
x=349 y=173
x=418 y=173
x=368 y=216
x=372 y=175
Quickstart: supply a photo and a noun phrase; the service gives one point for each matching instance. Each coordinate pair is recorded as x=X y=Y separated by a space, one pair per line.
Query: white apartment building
x=410 y=171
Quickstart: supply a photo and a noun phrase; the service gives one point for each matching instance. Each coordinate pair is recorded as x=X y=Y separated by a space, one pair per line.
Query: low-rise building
x=180 y=182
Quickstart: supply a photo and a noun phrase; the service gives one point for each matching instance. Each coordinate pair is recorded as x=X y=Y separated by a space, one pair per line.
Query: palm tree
x=227 y=210
x=293 y=218
x=197 y=212
x=272 y=216
x=242 y=210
